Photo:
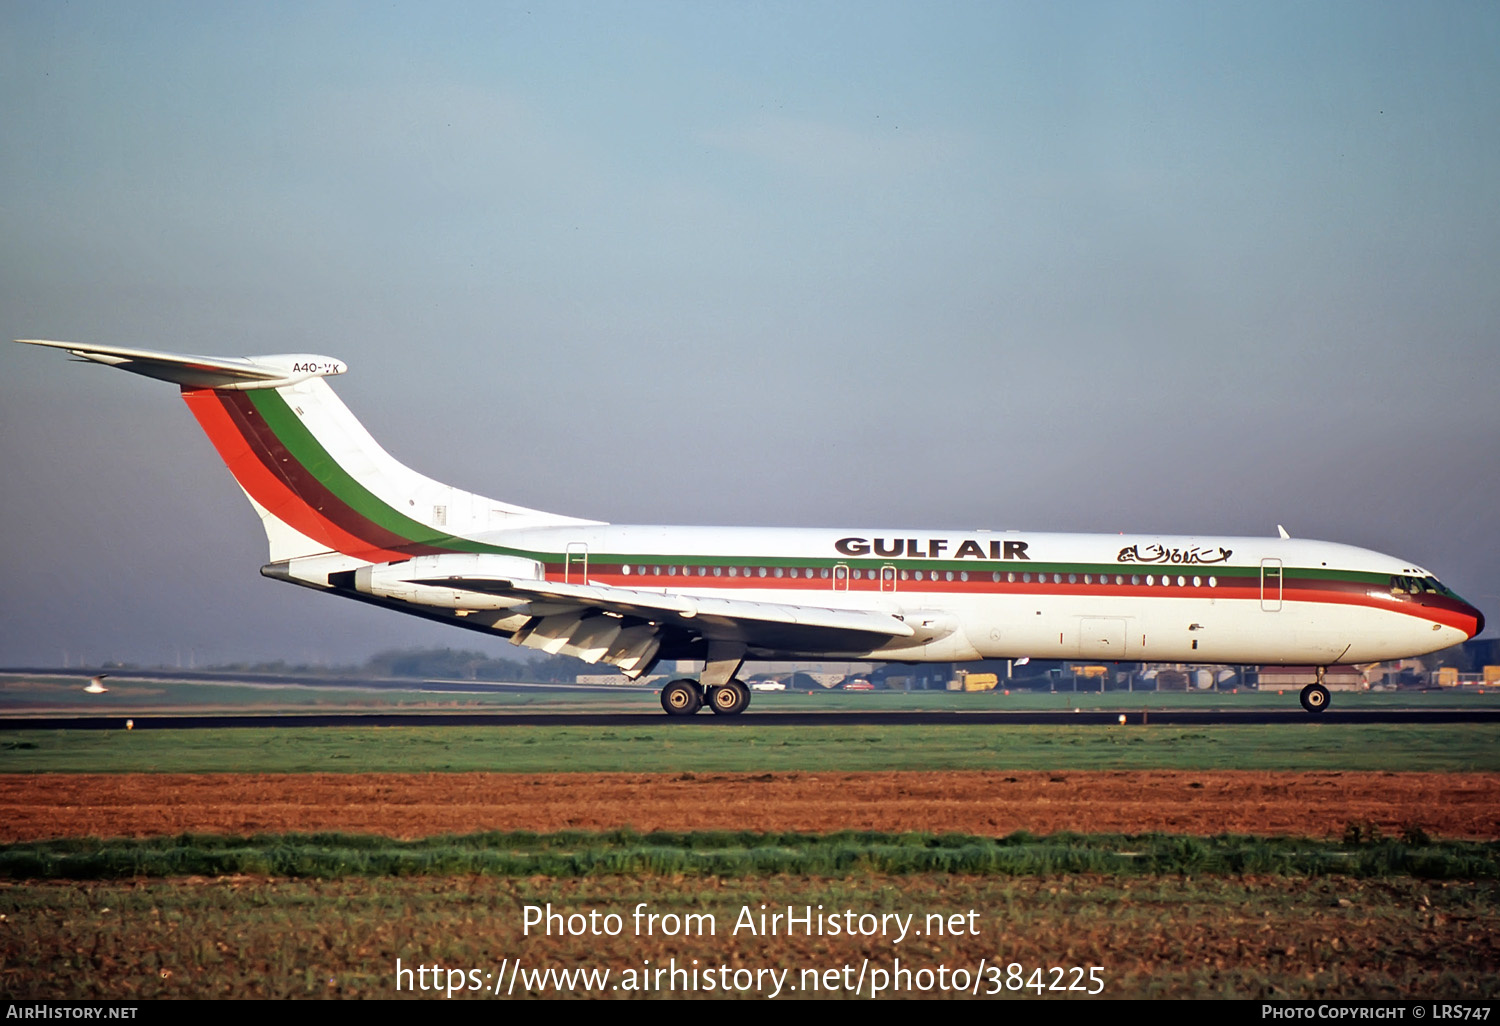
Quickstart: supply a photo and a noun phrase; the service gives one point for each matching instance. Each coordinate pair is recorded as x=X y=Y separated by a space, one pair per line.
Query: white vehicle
x=341 y=515
x=767 y=685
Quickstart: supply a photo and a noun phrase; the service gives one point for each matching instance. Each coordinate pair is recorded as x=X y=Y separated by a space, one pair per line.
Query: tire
x=1315 y=698
x=681 y=698
x=729 y=699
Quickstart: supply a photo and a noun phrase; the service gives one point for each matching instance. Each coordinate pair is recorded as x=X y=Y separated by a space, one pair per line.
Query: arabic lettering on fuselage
x=1163 y=554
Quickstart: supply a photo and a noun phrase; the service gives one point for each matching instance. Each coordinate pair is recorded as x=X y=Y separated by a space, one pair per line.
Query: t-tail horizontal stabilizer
x=316 y=478
x=233 y=373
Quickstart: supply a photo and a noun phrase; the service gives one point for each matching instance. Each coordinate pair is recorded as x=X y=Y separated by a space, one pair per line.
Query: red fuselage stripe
x=1448 y=612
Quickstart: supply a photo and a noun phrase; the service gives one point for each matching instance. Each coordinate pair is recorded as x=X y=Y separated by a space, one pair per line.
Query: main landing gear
x=1315 y=696
x=718 y=688
x=685 y=697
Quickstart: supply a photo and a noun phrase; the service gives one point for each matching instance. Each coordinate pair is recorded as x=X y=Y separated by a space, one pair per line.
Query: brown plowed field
x=410 y=805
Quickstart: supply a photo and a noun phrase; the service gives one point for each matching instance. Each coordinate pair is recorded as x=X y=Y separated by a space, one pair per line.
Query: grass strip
x=756 y=747
x=844 y=854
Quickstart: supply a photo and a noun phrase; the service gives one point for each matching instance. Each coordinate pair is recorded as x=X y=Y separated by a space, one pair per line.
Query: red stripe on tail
x=266 y=488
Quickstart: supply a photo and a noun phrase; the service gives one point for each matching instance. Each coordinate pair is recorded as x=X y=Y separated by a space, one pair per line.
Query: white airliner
x=343 y=516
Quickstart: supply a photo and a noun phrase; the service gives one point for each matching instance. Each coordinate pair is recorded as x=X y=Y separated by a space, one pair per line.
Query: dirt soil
x=1323 y=804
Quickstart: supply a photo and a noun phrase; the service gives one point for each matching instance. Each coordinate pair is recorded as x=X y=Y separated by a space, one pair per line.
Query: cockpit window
x=1418 y=586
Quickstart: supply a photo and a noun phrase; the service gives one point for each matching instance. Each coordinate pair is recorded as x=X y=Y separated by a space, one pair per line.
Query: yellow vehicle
x=978 y=681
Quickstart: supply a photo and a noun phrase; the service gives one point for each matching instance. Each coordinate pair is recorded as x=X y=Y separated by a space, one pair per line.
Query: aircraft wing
x=563 y=611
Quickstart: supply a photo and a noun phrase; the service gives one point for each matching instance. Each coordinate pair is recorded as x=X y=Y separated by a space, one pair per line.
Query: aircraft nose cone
x=1478 y=622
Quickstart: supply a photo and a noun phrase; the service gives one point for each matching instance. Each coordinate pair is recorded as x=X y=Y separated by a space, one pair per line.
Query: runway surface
x=1056 y=718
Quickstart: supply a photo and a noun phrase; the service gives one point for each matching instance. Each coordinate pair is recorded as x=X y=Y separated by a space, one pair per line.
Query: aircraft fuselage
x=984 y=595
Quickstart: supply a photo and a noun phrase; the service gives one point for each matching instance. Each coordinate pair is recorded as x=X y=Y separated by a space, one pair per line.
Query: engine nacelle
x=440 y=581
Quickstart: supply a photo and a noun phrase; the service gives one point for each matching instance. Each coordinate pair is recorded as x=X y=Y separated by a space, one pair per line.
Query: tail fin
x=318 y=480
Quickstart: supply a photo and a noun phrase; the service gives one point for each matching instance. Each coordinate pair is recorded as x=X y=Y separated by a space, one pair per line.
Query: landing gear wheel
x=729 y=699
x=1315 y=698
x=681 y=698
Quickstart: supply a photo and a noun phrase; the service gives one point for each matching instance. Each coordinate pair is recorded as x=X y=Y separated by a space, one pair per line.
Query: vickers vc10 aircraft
x=343 y=516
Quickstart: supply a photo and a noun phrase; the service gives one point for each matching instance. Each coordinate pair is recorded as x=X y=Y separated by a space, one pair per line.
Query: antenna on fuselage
x=1282 y=531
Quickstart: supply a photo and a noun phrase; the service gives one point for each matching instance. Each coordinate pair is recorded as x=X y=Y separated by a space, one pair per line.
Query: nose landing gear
x=1315 y=696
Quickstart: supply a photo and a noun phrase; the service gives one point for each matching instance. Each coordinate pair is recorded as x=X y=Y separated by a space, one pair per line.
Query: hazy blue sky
x=1086 y=266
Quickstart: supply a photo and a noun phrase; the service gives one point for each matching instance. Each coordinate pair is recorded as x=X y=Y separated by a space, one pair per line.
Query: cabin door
x=1270 y=585
x=576 y=563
